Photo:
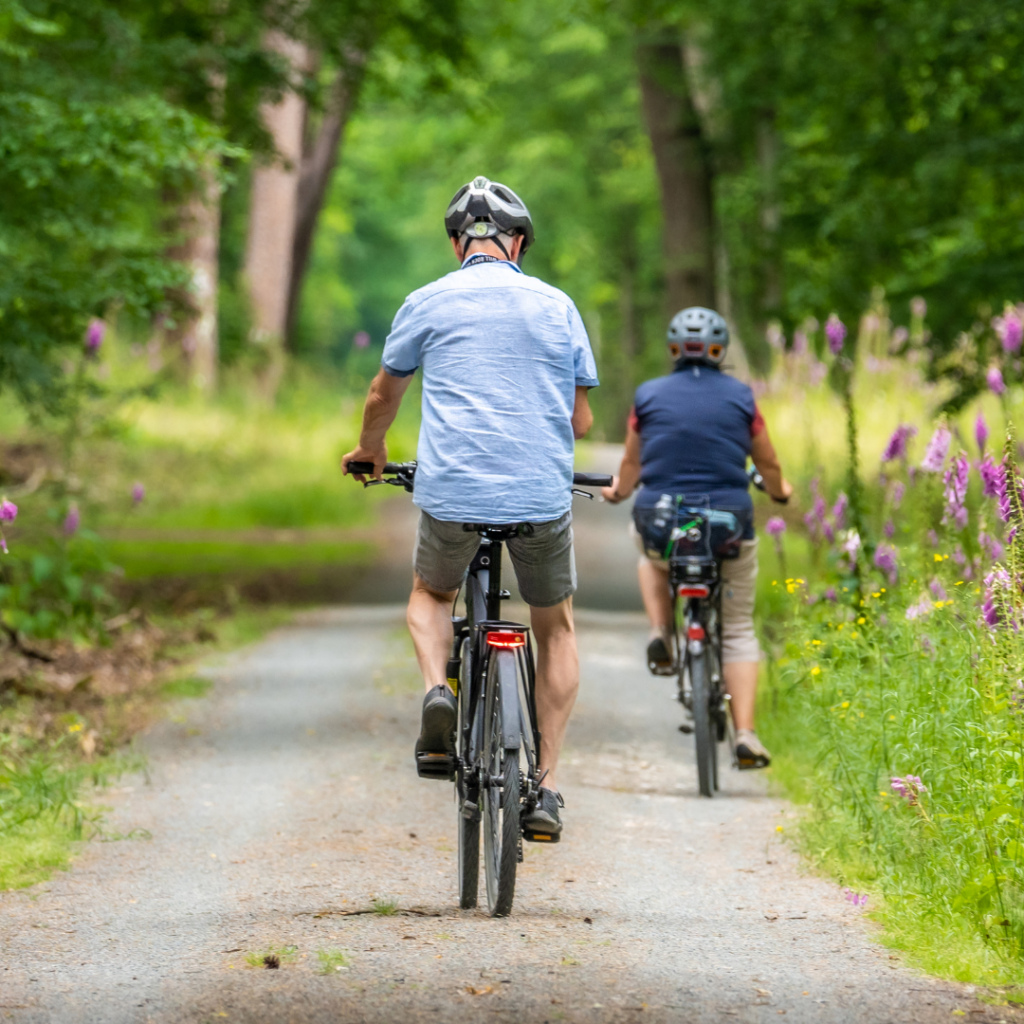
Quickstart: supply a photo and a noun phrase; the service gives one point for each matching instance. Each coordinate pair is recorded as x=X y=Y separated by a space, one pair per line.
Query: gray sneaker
x=435 y=748
x=544 y=823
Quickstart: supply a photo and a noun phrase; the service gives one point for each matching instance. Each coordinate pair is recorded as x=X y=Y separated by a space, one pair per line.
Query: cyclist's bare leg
x=656 y=597
x=430 y=623
x=558 y=680
x=741 y=685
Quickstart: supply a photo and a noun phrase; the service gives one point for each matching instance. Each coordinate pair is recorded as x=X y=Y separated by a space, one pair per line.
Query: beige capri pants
x=739 y=586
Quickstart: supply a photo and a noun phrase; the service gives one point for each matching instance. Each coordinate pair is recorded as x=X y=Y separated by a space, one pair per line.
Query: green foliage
x=885 y=138
x=58 y=589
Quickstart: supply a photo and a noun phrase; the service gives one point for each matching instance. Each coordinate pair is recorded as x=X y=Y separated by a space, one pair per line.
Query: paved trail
x=288 y=799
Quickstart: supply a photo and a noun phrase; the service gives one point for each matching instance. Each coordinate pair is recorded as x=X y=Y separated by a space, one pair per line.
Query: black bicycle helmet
x=698 y=335
x=485 y=209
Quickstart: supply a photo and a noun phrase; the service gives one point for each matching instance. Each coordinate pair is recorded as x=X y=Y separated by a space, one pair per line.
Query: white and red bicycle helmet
x=698 y=335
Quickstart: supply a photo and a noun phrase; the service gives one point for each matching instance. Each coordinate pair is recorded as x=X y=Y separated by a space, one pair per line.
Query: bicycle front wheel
x=705 y=726
x=500 y=787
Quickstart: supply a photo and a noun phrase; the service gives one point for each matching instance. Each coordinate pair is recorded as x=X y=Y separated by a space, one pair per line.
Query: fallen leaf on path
x=485 y=991
x=771 y=916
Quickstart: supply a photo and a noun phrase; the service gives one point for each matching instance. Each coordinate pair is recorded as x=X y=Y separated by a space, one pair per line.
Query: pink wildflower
x=938 y=448
x=994 y=379
x=835 y=331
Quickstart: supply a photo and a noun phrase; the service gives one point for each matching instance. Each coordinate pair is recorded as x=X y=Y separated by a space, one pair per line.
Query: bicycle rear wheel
x=467 y=793
x=500 y=789
x=705 y=727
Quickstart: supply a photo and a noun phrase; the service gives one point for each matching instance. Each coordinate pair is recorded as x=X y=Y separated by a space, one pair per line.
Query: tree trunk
x=318 y=163
x=194 y=334
x=683 y=160
x=273 y=207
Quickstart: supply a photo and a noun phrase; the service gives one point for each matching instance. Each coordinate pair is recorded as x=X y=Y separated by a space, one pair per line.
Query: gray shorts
x=544 y=562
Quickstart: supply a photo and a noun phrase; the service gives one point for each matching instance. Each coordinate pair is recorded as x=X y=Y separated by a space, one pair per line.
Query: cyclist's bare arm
x=379 y=412
x=762 y=451
x=582 y=417
x=628 y=477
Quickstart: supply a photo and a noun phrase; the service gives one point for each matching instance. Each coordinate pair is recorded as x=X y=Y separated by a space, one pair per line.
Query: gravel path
x=284 y=804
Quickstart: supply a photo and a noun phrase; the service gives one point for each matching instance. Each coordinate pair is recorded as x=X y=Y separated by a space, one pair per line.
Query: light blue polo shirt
x=501 y=354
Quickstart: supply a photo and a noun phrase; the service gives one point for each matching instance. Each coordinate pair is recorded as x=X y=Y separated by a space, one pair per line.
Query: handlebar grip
x=591 y=479
x=360 y=467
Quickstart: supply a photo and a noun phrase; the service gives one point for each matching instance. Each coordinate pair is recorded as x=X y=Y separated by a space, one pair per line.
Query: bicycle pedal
x=686 y=727
x=470 y=811
x=661 y=670
x=435 y=766
x=542 y=837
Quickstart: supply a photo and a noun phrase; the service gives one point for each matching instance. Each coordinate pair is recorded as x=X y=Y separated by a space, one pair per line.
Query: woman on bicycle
x=690 y=434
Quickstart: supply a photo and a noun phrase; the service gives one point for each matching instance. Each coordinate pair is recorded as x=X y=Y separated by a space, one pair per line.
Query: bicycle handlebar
x=404 y=468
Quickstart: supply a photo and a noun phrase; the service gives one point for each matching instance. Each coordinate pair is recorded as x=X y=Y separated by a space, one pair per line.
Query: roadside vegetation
x=892 y=613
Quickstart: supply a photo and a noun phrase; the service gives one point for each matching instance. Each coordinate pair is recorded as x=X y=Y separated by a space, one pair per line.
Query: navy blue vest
x=695 y=434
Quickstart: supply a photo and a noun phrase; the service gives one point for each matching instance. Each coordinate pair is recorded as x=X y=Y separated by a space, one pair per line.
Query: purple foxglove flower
x=811 y=522
x=897 y=446
x=897 y=493
x=1003 y=494
x=933 y=538
x=918 y=308
x=830 y=534
x=994 y=379
x=1010 y=330
x=885 y=559
x=959 y=557
x=775 y=527
x=991 y=476
x=839 y=510
x=799 y=343
x=863 y=900
x=72 y=521
x=889 y=528
x=94 y=336
x=980 y=433
x=998 y=579
x=899 y=786
x=956 y=479
x=138 y=493
x=916 y=611
x=937 y=589
x=938 y=448
x=8 y=511
x=361 y=339
x=835 y=331
x=851 y=545
x=3 y=545
x=830 y=594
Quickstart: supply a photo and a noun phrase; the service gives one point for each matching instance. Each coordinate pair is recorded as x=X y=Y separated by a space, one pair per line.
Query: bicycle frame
x=484 y=594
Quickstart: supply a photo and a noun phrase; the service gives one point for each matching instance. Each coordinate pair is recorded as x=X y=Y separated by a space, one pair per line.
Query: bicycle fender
x=508 y=684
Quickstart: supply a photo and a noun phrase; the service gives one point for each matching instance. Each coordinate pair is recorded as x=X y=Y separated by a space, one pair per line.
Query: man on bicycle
x=690 y=434
x=506 y=368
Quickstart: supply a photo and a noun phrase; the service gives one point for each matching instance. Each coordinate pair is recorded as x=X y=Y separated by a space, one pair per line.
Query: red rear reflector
x=693 y=590
x=693 y=348
x=506 y=639
x=695 y=633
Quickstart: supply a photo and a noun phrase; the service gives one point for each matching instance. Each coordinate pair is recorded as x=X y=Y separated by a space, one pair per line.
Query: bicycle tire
x=468 y=802
x=500 y=795
x=705 y=729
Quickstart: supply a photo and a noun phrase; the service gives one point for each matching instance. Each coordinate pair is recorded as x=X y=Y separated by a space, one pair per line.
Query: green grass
x=32 y=851
x=189 y=687
x=332 y=960
x=385 y=906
